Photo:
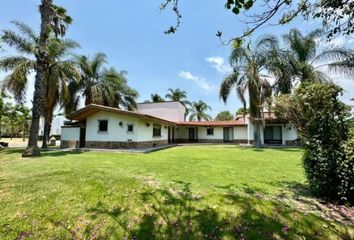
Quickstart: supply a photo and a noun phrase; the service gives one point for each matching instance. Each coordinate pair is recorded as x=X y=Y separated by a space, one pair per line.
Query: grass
x=191 y=192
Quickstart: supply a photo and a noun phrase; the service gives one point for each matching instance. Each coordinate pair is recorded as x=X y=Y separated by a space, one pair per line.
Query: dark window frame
x=156 y=130
x=104 y=129
x=212 y=131
x=130 y=126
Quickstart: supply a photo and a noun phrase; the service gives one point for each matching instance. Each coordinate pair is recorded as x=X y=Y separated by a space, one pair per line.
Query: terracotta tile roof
x=238 y=122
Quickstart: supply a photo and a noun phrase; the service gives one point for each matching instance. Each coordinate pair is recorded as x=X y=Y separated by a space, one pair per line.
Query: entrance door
x=193 y=134
x=273 y=135
x=82 y=137
x=228 y=134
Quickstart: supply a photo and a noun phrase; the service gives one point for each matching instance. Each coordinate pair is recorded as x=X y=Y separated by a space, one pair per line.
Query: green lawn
x=191 y=192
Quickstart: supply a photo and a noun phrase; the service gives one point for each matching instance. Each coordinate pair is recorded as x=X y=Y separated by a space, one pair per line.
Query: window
x=102 y=125
x=210 y=131
x=156 y=131
x=130 y=128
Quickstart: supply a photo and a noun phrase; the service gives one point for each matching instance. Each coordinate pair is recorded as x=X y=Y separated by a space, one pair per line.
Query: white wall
x=117 y=133
x=70 y=133
x=288 y=132
x=172 y=111
x=218 y=133
x=240 y=133
x=57 y=122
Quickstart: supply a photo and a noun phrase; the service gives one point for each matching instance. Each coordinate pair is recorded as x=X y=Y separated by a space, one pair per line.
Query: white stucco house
x=154 y=124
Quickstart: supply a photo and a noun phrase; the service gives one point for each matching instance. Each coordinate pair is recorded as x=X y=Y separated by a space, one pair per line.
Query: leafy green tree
x=60 y=69
x=198 y=111
x=247 y=77
x=4 y=111
x=156 y=98
x=224 y=116
x=242 y=111
x=24 y=119
x=302 y=60
x=322 y=120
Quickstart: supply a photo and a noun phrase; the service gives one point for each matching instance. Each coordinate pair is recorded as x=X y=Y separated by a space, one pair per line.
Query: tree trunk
x=46 y=12
x=46 y=133
x=24 y=130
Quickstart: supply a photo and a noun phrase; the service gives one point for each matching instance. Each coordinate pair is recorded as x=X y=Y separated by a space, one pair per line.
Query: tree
x=100 y=86
x=24 y=119
x=247 y=77
x=197 y=111
x=156 y=98
x=322 y=120
x=224 y=116
x=179 y=95
x=60 y=68
x=242 y=111
x=53 y=18
x=301 y=60
x=4 y=110
x=336 y=15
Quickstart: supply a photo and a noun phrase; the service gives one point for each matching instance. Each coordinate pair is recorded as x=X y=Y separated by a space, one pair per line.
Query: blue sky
x=131 y=34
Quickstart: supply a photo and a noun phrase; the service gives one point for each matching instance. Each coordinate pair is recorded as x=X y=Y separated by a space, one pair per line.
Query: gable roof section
x=90 y=109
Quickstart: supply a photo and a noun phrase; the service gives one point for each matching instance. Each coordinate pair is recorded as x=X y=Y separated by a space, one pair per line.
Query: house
x=154 y=124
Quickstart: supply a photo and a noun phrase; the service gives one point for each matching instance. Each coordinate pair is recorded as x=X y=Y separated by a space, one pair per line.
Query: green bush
x=315 y=110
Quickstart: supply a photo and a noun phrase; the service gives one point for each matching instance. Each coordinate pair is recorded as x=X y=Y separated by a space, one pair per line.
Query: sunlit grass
x=191 y=192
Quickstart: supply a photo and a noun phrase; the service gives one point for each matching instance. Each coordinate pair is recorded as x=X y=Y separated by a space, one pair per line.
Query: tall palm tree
x=53 y=19
x=58 y=71
x=156 y=98
x=197 y=111
x=247 y=77
x=100 y=86
x=301 y=60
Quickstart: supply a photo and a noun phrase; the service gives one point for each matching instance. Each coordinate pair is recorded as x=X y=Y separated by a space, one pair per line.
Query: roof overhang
x=213 y=124
x=91 y=109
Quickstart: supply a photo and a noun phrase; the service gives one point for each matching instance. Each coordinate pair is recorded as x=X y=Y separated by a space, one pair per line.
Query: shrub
x=315 y=110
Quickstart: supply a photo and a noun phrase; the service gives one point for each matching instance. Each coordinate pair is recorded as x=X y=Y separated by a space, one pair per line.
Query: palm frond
x=227 y=84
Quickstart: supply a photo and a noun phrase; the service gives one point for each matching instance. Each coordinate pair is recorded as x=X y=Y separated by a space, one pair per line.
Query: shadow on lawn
x=44 y=152
x=180 y=214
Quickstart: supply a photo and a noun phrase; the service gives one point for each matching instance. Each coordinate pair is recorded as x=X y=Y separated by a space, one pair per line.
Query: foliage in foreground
x=321 y=118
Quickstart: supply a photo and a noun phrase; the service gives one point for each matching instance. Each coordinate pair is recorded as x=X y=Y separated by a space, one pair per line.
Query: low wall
x=114 y=145
x=69 y=144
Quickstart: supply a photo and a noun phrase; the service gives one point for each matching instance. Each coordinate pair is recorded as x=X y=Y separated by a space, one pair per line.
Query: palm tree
x=156 y=98
x=177 y=95
x=247 y=77
x=100 y=86
x=197 y=111
x=58 y=71
x=301 y=60
x=53 y=19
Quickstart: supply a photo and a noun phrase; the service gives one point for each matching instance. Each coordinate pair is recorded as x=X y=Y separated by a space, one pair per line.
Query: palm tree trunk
x=46 y=133
x=46 y=12
x=24 y=130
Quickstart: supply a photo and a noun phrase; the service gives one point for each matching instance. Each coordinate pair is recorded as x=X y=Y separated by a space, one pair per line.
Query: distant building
x=153 y=124
x=57 y=123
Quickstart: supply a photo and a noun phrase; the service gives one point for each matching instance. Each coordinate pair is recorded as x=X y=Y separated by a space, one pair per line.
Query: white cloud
x=201 y=82
x=339 y=41
x=219 y=64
